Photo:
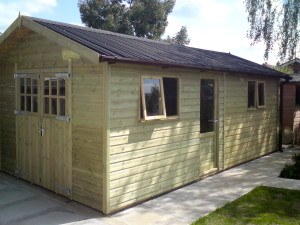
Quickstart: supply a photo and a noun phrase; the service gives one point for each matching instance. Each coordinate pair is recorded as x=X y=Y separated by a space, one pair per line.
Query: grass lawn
x=263 y=205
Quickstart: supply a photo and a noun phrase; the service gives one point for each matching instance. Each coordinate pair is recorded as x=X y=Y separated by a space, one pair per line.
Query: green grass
x=263 y=205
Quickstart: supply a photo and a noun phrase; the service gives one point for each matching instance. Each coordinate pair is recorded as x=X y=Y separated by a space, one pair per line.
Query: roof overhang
x=110 y=59
x=23 y=21
x=295 y=60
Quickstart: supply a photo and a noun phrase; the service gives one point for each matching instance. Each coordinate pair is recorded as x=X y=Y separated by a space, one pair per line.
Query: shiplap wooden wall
x=7 y=119
x=149 y=158
x=33 y=54
x=249 y=133
x=88 y=119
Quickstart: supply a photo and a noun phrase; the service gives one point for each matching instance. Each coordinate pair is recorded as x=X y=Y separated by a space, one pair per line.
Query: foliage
x=181 y=37
x=263 y=205
x=292 y=171
x=286 y=69
x=275 y=22
x=142 y=18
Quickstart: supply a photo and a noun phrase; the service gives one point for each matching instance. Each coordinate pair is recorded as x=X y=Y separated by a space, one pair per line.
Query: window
x=54 y=96
x=297 y=103
x=207 y=108
x=251 y=94
x=261 y=94
x=159 y=97
x=256 y=94
x=28 y=95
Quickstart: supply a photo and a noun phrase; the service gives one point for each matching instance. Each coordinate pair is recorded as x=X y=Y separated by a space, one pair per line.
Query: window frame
x=142 y=100
x=256 y=94
x=50 y=96
x=26 y=95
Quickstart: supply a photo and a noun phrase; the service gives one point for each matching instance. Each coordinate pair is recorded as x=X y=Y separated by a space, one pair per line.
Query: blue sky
x=219 y=25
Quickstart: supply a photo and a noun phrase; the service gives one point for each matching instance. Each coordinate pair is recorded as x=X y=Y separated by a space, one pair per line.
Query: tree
x=142 y=18
x=181 y=37
x=275 y=22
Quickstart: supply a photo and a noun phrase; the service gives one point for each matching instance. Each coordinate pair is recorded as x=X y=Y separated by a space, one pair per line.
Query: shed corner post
x=106 y=139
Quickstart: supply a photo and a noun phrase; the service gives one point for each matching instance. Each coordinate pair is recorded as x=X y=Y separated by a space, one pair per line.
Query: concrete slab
x=284 y=183
x=11 y=196
x=25 y=204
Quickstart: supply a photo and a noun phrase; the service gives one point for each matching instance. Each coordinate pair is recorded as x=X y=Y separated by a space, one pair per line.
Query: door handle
x=42 y=131
x=213 y=121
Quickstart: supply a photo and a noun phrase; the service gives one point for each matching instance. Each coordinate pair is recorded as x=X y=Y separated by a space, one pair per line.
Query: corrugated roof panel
x=132 y=48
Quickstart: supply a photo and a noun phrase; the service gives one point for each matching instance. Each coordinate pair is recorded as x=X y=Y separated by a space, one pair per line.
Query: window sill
x=257 y=108
x=170 y=118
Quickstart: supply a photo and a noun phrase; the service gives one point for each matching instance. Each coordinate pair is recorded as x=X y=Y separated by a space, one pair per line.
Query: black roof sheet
x=133 y=49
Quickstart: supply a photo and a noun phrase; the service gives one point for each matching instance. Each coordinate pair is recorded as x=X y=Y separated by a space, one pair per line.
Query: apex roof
x=115 y=47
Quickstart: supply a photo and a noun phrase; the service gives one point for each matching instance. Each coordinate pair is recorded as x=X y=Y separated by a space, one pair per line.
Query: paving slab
x=284 y=183
x=25 y=204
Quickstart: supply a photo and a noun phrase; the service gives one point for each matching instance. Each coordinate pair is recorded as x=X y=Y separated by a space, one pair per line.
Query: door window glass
x=207 y=108
x=54 y=100
x=28 y=95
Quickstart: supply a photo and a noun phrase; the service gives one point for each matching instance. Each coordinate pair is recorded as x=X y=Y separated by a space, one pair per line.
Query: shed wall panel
x=35 y=53
x=149 y=158
x=88 y=106
x=249 y=133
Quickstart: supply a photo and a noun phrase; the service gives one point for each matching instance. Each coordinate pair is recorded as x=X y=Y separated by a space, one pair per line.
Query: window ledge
x=160 y=119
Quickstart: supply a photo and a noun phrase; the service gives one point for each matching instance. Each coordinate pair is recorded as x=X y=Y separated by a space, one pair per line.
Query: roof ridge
x=97 y=30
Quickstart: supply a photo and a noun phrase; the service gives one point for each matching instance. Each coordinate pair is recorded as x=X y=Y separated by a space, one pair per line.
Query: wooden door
x=44 y=133
x=208 y=126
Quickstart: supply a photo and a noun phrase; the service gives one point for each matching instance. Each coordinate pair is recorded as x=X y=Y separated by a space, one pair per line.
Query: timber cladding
x=111 y=142
x=148 y=158
x=80 y=174
x=249 y=133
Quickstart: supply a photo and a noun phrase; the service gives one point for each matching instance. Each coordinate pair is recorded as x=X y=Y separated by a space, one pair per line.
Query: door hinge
x=20 y=113
x=63 y=75
x=63 y=118
x=19 y=75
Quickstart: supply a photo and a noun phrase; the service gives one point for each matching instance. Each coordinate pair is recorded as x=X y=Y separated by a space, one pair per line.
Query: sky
x=219 y=25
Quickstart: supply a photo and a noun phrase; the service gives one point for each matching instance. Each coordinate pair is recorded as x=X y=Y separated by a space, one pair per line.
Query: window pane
x=34 y=86
x=53 y=87
x=35 y=104
x=251 y=94
x=46 y=105
x=54 y=106
x=62 y=107
x=153 y=98
x=22 y=103
x=46 y=87
x=298 y=95
x=207 y=109
x=62 y=87
x=171 y=96
x=28 y=103
x=22 y=86
x=28 y=86
x=261 y=94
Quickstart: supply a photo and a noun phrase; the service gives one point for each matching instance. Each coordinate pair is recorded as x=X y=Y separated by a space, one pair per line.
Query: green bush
x=292 y=171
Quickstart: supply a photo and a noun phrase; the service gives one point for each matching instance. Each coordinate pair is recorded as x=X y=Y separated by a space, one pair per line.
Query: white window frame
x=164 y=115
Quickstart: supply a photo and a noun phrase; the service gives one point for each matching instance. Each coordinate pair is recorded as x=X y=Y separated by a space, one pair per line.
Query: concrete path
x=25 y=204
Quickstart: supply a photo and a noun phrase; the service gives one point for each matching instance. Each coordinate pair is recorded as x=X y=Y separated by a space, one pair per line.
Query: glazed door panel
x=44 y=133
x=208 y=122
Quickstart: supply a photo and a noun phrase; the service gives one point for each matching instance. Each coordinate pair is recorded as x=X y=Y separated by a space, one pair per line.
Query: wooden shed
x=110 y=120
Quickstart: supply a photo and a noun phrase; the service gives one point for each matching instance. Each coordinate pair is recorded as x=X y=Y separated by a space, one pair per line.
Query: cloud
x=216 y=25
x=9 y=10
